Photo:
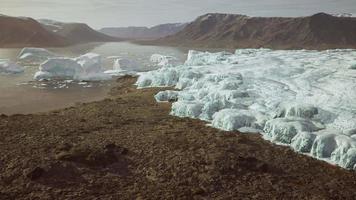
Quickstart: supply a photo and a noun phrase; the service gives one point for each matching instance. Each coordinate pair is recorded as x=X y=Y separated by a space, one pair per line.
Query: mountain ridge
x=142 y=32
x=216 y=30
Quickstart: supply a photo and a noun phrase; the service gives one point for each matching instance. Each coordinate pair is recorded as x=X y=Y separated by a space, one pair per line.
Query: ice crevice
x=301 y=98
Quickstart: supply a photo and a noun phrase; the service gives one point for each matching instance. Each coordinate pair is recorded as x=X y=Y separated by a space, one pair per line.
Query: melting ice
x=305 y=99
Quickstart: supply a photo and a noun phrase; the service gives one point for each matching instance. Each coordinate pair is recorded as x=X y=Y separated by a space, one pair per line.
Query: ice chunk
x=160 y=78
x=163 y=61
x=35 y=55
x=302 y=111
x=343 y=144
x=324 y=145
x=186 y=109
x=164 y=96
x=303 y=142
x=124 y=64
x=283 y=130
x=59 y=68
x=91 y=63
x=86 y=67
x=8 y=67
x=348 y=160
x=233 y=119
x=353 y=66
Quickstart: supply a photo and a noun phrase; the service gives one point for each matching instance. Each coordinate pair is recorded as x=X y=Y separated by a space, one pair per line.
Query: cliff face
x=155 y=32
x=320 y=31
x=21 y=32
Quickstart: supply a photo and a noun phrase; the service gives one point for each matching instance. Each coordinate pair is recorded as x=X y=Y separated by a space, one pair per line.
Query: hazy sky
x=102 y=13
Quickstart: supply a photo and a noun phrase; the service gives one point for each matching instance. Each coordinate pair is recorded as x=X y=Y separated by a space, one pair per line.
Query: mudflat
x=129 y=147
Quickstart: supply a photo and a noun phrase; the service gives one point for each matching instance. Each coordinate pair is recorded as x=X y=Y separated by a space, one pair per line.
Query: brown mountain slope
x=76 y=32
x=21 y=32
x=320 y=31
x=135 y=33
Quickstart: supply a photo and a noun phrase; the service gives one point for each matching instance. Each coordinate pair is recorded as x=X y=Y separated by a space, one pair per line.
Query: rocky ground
x=128 y=147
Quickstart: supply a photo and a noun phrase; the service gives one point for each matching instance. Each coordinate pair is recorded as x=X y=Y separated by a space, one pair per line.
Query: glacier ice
x=167 y=96
x=301 y=98
x=232 y=119
x=8 y=67
x=283 y=130
x=163 y=61
x=303 y=142
x=87 y=67
x=35 y=55
x=186 y=109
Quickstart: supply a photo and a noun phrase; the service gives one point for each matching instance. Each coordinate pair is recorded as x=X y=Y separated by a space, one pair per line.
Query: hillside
x=76 y=32
x=320 y=31
x=155 y=32
x=20 y=32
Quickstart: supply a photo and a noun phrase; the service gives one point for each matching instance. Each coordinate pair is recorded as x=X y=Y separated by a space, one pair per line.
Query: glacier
x=163 y=60
x=301 y=98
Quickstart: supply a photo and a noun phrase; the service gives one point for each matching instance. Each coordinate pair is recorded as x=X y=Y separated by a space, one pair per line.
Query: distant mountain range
x=142 y=33
x=320 y=31
x=21 y=31
x=24 y=32
x=76 y=32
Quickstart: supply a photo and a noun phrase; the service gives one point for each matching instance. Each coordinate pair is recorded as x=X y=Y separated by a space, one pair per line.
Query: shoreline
x=127 y=146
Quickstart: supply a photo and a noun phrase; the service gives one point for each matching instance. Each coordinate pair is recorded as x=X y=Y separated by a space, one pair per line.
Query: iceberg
x=123 y=64
x=300 y=98
x=87 y=67
x=8 y=67
x=59 y=68
x=35 y=55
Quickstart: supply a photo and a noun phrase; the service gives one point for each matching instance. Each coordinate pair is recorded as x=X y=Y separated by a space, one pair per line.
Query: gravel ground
x=128 y=147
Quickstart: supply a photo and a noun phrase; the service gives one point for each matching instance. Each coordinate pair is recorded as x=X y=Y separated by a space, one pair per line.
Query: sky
x=114 y=13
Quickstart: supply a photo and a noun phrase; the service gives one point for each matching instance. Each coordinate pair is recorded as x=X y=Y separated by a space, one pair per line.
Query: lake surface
x=20 y=94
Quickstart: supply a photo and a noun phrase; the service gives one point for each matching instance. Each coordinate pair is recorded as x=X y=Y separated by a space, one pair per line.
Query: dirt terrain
x=128 y=147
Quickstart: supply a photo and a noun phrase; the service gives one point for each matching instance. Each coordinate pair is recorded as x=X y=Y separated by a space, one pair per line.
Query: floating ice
x=301 y=98
x=87 y=67
x=8 y=67
x=35 y=55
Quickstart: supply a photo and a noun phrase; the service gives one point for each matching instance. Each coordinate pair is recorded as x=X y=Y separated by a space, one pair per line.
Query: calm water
x=19 y=94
